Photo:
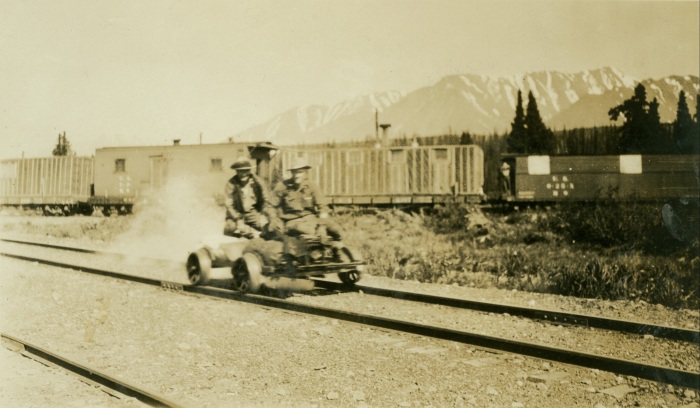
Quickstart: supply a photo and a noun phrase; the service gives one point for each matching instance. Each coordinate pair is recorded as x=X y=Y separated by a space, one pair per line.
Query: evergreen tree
x=694 y=145
x=538 y=137
x=466 y=139
x=654 y=141
x=516 y=140
x=63 y=146
x=683 y=125
x=641 y=120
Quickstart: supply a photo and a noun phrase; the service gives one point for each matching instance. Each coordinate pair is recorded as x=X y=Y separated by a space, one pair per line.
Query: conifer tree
x=466 y=139
x=694 y=145
x=538 y=137
x=683 y=125
x=654 y=141
x=516 y=140
x=63 y=146
x=640 y=132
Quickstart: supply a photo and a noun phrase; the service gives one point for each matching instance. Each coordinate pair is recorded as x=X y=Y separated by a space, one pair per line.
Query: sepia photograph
x=324 y=203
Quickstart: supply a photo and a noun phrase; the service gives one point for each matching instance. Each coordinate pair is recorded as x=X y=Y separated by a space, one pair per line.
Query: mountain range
x=477 y=104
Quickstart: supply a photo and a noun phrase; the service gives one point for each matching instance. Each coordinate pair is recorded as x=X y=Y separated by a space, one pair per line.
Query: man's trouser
x=308 y=225
x=252 y=221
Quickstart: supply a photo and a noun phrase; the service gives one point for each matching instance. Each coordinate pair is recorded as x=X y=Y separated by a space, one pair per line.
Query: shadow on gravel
x=277 y=293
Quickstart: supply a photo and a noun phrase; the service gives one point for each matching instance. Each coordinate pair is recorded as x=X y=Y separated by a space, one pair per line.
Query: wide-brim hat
x=300 y=164
x=241 y=163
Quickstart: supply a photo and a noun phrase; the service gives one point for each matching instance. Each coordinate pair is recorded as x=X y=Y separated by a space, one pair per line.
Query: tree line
x=641 y=132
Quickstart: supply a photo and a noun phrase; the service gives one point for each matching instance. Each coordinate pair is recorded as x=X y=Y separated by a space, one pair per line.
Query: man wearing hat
x=301 y=204
x=248 y=209
x=504 y=179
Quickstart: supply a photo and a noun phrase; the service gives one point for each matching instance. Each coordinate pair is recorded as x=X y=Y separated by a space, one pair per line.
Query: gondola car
x=51 y=185
x=396 y=175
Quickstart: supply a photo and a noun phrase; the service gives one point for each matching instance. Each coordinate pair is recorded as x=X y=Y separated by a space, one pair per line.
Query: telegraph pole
x=376 y=125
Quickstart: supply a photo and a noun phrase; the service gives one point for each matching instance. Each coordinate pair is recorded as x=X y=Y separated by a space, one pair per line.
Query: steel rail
x=564 y=318
x=46 y=245
x=94 y=376
x=667 y=375
x=555 y=317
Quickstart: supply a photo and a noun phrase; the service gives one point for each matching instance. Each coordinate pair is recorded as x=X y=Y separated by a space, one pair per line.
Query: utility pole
x=376 y=125
x=384 y=127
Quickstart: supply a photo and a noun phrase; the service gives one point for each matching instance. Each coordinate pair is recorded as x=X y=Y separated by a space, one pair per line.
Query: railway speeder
x=116 y=178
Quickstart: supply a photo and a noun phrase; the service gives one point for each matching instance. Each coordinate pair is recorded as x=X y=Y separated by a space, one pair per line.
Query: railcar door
x=441 y=171
x=159 y=172
x=397 y=174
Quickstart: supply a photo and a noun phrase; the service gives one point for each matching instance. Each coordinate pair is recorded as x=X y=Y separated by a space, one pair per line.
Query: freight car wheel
x=199 y=267
x=247 y=273
x=349 y=255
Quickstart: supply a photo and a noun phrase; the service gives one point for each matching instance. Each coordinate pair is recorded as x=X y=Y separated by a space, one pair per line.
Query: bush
x=629 y=278
x=609 y=250
x=449 y=217
x=631 y=225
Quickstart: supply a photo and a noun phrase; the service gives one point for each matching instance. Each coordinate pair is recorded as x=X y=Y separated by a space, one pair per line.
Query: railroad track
x=550 y=316
x=650 y=372
x=109 y=383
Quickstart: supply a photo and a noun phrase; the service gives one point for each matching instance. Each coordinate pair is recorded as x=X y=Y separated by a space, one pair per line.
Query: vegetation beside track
x=610 y=251
x=600 y=250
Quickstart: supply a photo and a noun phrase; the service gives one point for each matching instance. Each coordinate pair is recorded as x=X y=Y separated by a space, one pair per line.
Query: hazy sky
x=146 y=72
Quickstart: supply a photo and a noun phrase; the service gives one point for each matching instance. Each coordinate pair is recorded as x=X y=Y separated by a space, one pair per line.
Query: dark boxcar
x=51 y=183
x=585 y=178
x=395 y=175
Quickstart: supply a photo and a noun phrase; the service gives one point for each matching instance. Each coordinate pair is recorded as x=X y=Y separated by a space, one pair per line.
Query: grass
x=597 y=250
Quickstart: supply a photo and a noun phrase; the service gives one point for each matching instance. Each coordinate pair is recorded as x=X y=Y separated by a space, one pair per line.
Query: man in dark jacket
x=302 y=206
x=248 y=209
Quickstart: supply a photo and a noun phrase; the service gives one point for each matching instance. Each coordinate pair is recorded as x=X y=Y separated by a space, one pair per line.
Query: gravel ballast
x=217 y=353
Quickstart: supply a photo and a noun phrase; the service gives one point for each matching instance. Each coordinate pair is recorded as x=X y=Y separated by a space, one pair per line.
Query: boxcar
x=124 y=175
x=586 y=178
x=395 y=175
x=54 y=184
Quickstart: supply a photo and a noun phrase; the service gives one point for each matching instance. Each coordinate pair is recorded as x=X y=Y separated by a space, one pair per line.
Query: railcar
x=395 y=175
x=127 y=175
x=52 y=185
x=588 y=178
x=355 y=176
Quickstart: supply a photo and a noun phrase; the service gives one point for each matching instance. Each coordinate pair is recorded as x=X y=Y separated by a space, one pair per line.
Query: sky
x=116 y=73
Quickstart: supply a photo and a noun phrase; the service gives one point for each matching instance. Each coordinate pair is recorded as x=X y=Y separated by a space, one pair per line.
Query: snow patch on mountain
x=303 y=118
x=478 y=104
x=660 y=93
x=533 y=87
x=511 y=95
x=273 y=127
x=571 y=95
x=471 y=98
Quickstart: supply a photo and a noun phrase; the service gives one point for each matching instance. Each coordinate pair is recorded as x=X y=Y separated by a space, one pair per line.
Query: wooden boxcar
x=586 y=178
x=395 y=175
x=55 y=184
x=123 y=175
